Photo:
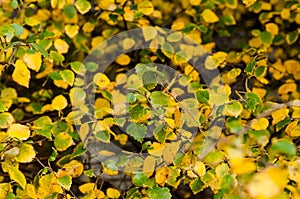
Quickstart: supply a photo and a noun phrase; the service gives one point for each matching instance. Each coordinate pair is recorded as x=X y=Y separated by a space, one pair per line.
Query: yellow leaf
x=279 y=115
x=162 y=175
x=88 y=27
x=199 y=168
x=33 y=61
x=248 y=3
x=267 y=183
x=123 y=60
x=195 y=2
x=112 y=193
x=26 y=153
x=59 y=103
x=146 y=7
x=74 y=168
x=156 y=149
x=272 y=28
x=83 y=6
x=260 y=124
x=293 y=169
x=127 y=43
x=149 y=33
x=4 y=189
x=285 y=13
x=106 y=4
x=19 y=131
x=61 y=46
x=101 y=80
x=149 y=165
x=293 y=129
x=71 y=30
x=31 y=21
x=170 y=151
x=87 y=187
x=240 y=166
x=21 y=74
x=209 y=16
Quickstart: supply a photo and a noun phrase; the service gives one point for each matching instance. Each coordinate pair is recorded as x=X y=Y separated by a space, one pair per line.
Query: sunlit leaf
x=21 y=74
x=19 y=131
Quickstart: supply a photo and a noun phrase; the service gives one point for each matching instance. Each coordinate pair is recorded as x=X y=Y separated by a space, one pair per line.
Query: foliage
x=46 y=110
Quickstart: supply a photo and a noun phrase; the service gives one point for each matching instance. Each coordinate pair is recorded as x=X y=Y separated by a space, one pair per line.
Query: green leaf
x=89 y=173
x=14 y=4
x=57 y=57
x=266 y=37
x=283 y=123
x=123 y=160
x=160 y=133
x=137 y=131
x=133 y=193
x=69 y=11
x=283 y=146
x=250 y=67
x=6 y=119
x=252 y=100
x=55 y=76
x=202 y=96
x=16 y=175
x=131 y=98
x=292 y=37
x=196 y=185
x=159 y=193
x=18 y=29
x=159 y=99
x=83 y=6
x=65 y=182
x=137 y=112
x=63 y=141
x=68 y=76
x=53 y=155
x=234 y=124
x=139 y=179
x=91 y=66
x=189 y=27
x=103 y=136
x=259 y=71
x=41 y=49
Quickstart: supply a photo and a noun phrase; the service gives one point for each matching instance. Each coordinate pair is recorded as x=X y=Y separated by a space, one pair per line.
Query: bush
x=149 y=99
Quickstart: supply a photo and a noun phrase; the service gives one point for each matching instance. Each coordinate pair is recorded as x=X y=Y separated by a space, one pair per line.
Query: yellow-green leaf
x=234 y=109
x=68 y=76
x=65 y=182
x=26 y=153
x=16 y=175
x=6 y=119
x=83 y=6
x=63 y=141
